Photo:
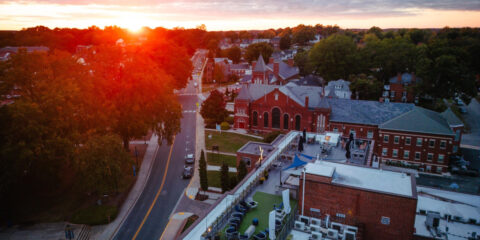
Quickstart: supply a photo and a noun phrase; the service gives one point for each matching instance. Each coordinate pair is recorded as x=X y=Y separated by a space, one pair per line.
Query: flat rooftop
x=364 y=178
x=254 y=148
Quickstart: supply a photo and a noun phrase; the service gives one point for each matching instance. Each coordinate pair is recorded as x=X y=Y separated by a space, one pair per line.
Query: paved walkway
x=217 y=168
x=224 y=153
x=177 y=221
x=192 y=188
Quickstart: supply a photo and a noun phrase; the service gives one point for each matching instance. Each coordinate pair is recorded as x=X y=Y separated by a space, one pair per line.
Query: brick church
x=402 y=132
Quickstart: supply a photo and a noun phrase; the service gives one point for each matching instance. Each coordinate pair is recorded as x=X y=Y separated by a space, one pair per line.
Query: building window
x=255 y=119
x=335 y=129
x=352 y=132
x=440 y=158
x=406 y=154
x=429 y=168
x=297 y=122
x=370 y=134
x=430 y=157
x=417 y=156
x=276 y=96
x=439 y=169
x=384 y=151
x=395 y=153
x=457 y=135
x=385 y=138
x=455 y=149
x=265 y=120
x=419 y=142
x=443 y=144
x=431 y=143
x=396 y=139
x=408 y=140
x=276 y=118
x=285 y=121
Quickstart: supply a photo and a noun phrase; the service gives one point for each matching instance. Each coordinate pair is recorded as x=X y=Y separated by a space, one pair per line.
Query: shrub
x=229 y=119
x=225 y=126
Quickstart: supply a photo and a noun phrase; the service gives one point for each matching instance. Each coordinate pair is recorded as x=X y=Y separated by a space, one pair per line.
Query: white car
x=189 y=158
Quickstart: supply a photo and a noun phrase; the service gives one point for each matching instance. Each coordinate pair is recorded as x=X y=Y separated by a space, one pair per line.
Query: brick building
x=266 y=108
x=382 y=204
x=276 y=72
x=399 y=88
x=252 y=153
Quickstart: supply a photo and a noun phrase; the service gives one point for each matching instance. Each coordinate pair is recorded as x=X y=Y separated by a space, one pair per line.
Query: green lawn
x=265 y=206
x=95 y=215
x=226 y=141
x=217 y=159
x=214 y=178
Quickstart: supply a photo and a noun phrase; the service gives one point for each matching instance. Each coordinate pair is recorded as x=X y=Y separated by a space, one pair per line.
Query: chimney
x=306 y=101
x=290 y=62
x=276 y=68
x=271 y=60
x=253 y=64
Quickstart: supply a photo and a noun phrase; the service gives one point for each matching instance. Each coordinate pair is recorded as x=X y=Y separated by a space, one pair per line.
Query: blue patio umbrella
x=296 y=163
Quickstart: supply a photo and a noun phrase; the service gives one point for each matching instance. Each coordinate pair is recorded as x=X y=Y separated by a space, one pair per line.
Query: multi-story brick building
x=382 y=204
x=266 y=108
x=399 y=88
x=276 y=72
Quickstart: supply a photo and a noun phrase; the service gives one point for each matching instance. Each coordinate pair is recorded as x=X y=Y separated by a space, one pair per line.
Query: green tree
x=301 y=60
x=213 y=108
x=242 y=170
x=202 y=168
x=377 y=31
x=367 y=88
x=99 y=164
x=234 y=54
x=224 y=178
x=233 y=182
x=333 y=58
x=254 y=50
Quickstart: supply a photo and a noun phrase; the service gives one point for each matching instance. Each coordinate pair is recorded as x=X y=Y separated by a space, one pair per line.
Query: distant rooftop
x=364 y=178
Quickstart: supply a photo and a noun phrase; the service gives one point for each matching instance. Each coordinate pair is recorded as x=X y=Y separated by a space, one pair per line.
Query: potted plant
x=265 y=174
x=262 y=179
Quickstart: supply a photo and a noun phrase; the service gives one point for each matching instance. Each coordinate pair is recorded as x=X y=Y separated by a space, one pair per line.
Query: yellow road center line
x=158 y=192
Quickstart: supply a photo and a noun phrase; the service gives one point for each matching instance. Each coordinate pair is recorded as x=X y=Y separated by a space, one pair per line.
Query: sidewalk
x=111 y=229
x=217 y=168
x=192 y=188
x=223 y=153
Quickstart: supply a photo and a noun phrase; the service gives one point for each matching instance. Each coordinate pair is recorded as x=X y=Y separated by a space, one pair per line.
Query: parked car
x=187 y=172
x=189 y=159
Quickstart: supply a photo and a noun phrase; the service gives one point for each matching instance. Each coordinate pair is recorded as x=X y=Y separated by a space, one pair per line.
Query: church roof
x=419 y=120
x=260 y=66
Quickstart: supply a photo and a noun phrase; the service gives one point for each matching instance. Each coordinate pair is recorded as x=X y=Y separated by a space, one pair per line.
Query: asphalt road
x=150 y=214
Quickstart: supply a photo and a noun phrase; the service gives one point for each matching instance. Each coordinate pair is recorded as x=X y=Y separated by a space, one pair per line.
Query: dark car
x=189 y=159
x=187 y=172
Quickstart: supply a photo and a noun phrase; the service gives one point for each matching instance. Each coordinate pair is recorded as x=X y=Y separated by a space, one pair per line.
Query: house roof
x=451 y=118
x=419 y=120
x=310 y=80
x=253 y=92
x=285 y=71
x=239 y=66
x=260 y=66
x=405 y=78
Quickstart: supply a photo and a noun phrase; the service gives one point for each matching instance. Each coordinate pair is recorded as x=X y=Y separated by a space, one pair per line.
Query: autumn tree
x=234 y=54
x=254 y=50
x=302 y=34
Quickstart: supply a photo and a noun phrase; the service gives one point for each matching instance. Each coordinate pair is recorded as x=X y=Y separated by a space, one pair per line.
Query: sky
x=239 y=14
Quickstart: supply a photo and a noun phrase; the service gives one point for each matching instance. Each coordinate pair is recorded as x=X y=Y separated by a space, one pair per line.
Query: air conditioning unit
x=315 y=221
x=433 y=219
x=315 y=228
x=299 y=225
x=349 y=235
x=304 y=219
x=316 y=235
x=351 y=229
x=332 y=233
x=337 y=226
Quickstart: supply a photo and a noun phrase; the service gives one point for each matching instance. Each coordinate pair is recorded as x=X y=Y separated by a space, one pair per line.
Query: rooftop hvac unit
x=348 y=235
x=316 y=235
x=299 y=225
x=315 y=221
x=332 y=233
x=433 y=219
x=315 y=228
